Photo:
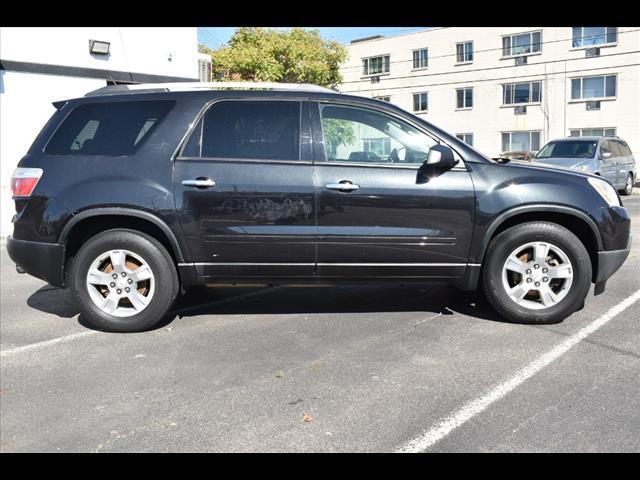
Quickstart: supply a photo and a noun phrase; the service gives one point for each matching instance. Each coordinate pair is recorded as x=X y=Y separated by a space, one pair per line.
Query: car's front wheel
x=536 y=272
x=124 y=281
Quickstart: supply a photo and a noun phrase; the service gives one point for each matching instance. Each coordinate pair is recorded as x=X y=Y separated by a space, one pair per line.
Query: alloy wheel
x=537 y=275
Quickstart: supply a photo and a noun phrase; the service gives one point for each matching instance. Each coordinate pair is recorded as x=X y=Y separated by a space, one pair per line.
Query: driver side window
x=360 y=135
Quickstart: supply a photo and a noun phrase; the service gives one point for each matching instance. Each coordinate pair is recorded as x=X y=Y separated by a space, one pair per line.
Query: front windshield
x=569 y=149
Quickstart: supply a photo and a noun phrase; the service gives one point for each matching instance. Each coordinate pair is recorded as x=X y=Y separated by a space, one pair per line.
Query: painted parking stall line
x=478 y=405
x=54 y=341
x=46 y=343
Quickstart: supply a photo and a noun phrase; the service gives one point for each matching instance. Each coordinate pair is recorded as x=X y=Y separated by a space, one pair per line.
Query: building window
x=421 y=58
x=593 y=36
x=466 y=138
x=522 y=44
x=464 y=98
x=588 y=88
x=520 y=93
x=386 y=98
x=592 y=132
x=464 y=52
x=204 y=69
x=420 y=102
x=521 y=141
x=375 y=65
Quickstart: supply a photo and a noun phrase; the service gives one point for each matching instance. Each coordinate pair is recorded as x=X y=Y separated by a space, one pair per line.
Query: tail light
x=24 y=180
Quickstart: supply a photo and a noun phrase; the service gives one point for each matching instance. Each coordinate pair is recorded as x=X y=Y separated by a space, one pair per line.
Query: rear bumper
x=610 y=261
x=41 y=260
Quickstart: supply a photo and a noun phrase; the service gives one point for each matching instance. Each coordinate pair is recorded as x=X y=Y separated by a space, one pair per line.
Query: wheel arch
x=90 y=222
x=574 y=220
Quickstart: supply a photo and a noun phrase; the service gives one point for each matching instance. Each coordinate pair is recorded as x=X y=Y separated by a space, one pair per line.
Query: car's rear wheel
x=124 y=281
x=537 y=272
x=628 y=186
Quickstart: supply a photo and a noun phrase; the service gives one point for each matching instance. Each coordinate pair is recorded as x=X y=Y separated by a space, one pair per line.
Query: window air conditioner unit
x=375 y=79
x=592 y=52
x=520 y=110
x=593 y=105
x=521 y=60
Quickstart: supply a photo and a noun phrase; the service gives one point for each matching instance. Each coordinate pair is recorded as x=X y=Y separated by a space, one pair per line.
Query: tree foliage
x=295 y=56
x=337 y=132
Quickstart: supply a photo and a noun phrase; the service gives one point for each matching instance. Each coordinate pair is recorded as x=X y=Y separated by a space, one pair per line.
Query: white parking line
x=54 y=341
x=46 y=343
x=473 y=408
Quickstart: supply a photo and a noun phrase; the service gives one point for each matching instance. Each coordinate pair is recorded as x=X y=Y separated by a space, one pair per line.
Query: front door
x=607 y=162
x=379 y=214
x=244 y=193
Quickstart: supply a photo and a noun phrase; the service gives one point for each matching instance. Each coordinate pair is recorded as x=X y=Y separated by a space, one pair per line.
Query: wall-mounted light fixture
x=97 y=47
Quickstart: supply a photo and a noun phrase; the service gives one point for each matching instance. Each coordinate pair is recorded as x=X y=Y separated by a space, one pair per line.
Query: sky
x=214 y=37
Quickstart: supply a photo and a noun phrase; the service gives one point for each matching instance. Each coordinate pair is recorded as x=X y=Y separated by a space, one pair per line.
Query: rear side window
x=624 y=148
x=615 y=148
x=112 y=129
x=247 y=130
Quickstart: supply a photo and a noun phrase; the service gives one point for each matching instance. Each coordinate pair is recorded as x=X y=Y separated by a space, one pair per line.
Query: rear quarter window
x=111 y=128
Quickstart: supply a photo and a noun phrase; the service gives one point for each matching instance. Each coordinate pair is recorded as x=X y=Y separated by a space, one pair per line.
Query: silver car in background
x=609 y=157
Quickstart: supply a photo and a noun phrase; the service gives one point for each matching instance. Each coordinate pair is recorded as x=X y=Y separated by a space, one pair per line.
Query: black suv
x=132 y=193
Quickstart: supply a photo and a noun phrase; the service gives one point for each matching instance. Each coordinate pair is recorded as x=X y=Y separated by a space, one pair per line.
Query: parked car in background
x=132 y=193
x=517 y=155
x=608 y=157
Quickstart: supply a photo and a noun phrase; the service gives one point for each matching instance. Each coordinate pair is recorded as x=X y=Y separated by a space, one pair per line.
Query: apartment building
x=503 y=89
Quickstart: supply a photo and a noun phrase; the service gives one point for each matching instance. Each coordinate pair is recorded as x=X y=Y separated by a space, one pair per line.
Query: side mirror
x=440 y=156
x=606 y=155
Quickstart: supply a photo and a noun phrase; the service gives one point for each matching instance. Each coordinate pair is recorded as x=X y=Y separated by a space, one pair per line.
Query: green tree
x=296 y=56
x=337 y=132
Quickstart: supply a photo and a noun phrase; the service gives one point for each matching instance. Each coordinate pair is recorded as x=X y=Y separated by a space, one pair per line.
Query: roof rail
x=194 y=86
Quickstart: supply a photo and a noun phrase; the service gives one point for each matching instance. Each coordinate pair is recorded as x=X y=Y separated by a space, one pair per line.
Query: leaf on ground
x=306 y=417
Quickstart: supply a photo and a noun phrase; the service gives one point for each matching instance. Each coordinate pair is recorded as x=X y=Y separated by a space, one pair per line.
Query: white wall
x=554 y=117
x=132 y=49
x=25 y=106
x=25 y=98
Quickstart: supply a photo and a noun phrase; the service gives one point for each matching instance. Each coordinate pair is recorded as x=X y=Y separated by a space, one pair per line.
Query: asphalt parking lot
x=372 y=368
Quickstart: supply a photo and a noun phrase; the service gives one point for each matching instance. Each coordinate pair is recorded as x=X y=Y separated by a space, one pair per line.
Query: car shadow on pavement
x=429 y=299
x=434 y=299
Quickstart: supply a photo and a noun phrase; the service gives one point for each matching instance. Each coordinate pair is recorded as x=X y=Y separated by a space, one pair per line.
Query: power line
x=210 y=37
x=413 y=29
x=486 y=69
x=490 y=49
x=496 y=79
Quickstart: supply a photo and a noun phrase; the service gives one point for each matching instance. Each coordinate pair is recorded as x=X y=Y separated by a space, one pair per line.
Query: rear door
x=243 y=187
x=379 y=214
x=625 y=161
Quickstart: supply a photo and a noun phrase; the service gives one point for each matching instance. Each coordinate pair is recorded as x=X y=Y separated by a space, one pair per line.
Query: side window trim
x=319 y=148
x=198 y=122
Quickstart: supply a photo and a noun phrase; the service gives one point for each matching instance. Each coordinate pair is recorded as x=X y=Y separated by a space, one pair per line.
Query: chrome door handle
x=344 y=186
x=199 y=182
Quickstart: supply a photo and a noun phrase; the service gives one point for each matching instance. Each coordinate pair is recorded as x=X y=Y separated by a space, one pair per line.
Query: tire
x=567 y=257
x=628 y=186
x=141 y=308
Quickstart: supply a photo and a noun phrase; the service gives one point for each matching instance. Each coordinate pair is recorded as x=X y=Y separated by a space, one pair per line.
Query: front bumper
x=609 y=262
x=42 y=260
